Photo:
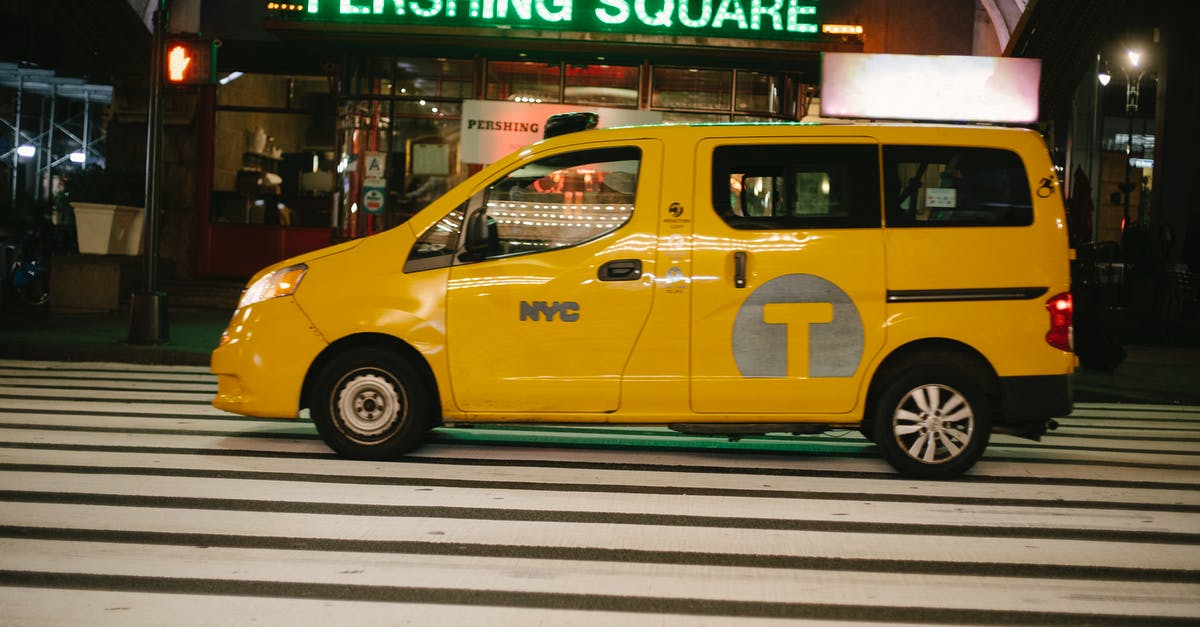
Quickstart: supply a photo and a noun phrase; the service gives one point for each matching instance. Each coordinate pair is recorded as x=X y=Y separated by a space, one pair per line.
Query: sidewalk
x=43 y=335
x=1149 y=374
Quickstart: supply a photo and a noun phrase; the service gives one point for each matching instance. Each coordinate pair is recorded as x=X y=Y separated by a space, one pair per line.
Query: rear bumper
x=1027 y=404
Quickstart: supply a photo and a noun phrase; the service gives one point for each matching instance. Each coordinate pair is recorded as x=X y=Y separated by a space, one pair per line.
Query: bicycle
x=26 y=269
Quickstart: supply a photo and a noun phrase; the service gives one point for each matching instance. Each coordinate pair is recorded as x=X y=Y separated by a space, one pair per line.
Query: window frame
x=477 y=205
x=863 y=207
x=895 y=189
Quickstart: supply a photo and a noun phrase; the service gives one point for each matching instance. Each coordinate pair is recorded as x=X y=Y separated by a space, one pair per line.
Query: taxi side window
x=559 y=201
x=955 y=186
x=797 y=186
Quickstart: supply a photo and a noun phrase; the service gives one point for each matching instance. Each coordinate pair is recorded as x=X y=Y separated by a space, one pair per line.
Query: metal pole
x=148 y=310
x=1128 y=187
x=39 y=155
x=1096 y=151
x=154 y=153
x=16 y=158
x=45 y=179
x=87 y=128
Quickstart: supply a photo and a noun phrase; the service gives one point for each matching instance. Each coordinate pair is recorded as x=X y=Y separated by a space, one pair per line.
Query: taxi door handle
x=739 y=269
x=621 y=270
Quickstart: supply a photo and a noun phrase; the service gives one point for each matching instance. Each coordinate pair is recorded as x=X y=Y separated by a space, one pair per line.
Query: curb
x=118 y=352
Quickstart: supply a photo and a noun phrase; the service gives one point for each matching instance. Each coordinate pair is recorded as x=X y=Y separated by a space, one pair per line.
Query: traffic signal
x=190 y=62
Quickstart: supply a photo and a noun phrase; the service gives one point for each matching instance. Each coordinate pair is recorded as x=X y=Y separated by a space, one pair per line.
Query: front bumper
x=263 y=359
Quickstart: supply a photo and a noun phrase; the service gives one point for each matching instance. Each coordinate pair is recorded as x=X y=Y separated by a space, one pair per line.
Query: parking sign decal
x=795 y=314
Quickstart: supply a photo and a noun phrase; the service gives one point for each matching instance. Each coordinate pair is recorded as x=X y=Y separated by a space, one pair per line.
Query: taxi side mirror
x=480 y=238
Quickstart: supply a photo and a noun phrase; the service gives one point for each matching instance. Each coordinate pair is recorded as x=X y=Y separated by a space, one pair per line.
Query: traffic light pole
x=148 y=308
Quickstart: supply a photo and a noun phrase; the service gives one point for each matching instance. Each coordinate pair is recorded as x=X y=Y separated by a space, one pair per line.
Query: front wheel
x=932 y=421
x=371 y=404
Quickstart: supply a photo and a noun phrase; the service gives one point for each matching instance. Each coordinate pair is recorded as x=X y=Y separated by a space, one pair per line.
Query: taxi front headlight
x=281 y=282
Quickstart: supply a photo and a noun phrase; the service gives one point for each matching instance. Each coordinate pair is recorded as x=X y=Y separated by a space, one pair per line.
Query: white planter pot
x=108 y=229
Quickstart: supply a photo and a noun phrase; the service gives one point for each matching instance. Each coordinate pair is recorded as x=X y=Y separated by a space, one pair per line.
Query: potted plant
x=108 y=211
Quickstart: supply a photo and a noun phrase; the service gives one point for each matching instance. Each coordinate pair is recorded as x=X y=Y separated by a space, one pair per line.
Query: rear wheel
x=371 y=404
x=932 y=421
x=36 y=292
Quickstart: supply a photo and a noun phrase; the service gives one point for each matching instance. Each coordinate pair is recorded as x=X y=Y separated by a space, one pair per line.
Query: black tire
x=932 y=420
x=371 y=404
x=35 y=293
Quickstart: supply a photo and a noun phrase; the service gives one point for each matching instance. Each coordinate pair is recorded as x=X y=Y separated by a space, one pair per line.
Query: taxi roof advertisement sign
x=929 y=87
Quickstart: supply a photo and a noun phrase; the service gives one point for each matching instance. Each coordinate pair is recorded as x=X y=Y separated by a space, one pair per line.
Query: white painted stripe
x=100 y=395
x=88 y=366
x=30 y=606
x=110 y=407
x=209 y=387
x=151 y=423
x=648 y=435
x=1094 y=454
x=807 y=454
x=414 y=474
x=1065 y=440
x=1129 y=428
x=157 y=440
x=801 y=461
x=757 y=585
x=1137 y=406
x=820 y=510
x=788 y=543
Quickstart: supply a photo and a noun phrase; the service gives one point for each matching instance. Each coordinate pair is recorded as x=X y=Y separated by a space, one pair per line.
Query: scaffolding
x=55 y=124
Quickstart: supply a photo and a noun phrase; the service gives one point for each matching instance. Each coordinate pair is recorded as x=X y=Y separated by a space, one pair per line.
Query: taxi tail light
x=1062 y=314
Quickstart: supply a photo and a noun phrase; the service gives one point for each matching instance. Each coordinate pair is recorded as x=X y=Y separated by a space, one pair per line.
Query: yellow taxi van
x=908 y=281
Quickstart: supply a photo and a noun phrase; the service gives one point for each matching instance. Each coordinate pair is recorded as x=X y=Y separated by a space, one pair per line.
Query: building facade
x=336 y=119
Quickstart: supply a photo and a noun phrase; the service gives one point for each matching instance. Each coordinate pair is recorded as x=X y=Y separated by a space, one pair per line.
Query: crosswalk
x=125 y=498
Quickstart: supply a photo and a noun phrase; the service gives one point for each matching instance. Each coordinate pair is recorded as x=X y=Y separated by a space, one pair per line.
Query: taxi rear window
x=932 y=186
x=801 y=186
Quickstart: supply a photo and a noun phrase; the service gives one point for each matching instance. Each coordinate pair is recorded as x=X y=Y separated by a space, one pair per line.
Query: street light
x=1133 y=80
x=1133 y=71
x=1095 y=169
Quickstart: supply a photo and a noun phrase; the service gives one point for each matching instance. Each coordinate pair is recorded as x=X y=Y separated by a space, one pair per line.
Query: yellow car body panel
x=510 y=352
x=263 y=358
x=757 y=357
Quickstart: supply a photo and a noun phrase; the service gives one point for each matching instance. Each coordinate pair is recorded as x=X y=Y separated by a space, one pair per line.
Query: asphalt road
x=126 y=499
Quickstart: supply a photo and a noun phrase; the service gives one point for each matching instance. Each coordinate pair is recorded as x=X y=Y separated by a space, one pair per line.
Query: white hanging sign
x=491 y=129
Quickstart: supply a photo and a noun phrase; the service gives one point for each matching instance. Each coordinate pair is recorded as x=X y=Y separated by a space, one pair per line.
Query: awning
x=1065 y=35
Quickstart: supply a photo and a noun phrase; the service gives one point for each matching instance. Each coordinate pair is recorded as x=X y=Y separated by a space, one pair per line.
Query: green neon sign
x=761 y=19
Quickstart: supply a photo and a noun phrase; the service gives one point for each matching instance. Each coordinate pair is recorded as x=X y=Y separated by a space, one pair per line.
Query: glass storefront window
x=523 y=81
x=692 y=88
x=440 y=78
x=398 y=140
x=680 y=117
x=396 y=157
x=604 y=85
x=273 y=154
x=758 y=92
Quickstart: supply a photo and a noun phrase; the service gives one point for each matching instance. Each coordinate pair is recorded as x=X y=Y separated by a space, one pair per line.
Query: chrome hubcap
x=369 y=404
x=934 y=423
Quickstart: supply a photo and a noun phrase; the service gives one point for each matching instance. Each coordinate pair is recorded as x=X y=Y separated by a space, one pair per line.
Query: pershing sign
x=492 y=129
